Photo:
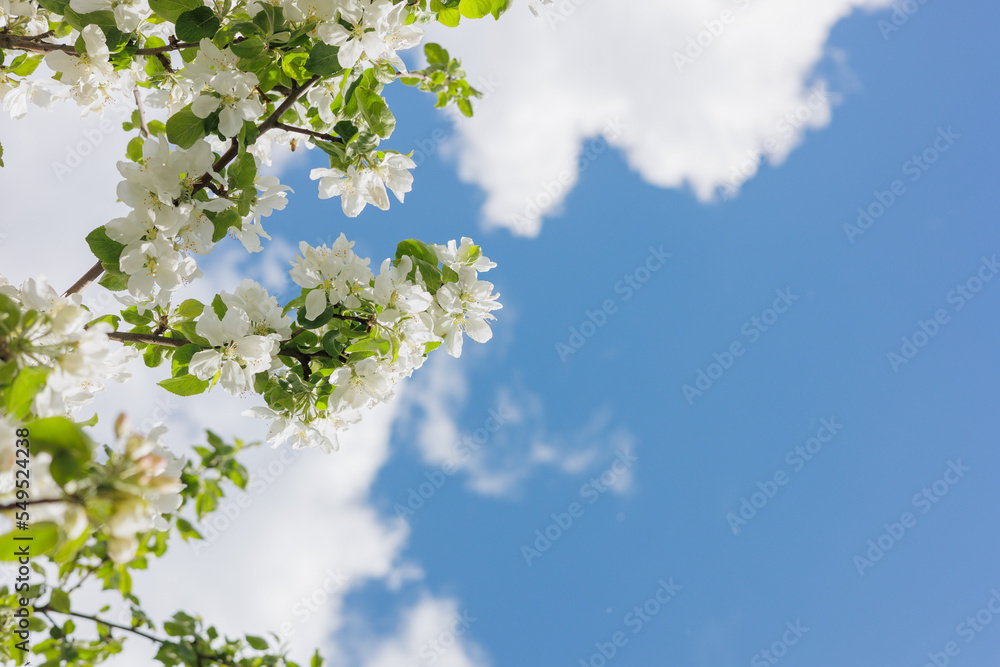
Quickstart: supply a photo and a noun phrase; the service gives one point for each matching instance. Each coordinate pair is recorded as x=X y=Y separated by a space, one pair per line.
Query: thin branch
x=311 y=133
x=142 y=112
x=157 y=50
x=8 y=41
x=147 y=339
x=90 y=276
x=352 y=318
x=90 y=570
x=36 y=45
x=101 y=621
x=299 y=356
x=10 y=507
x=165 y=62
x=272 y=121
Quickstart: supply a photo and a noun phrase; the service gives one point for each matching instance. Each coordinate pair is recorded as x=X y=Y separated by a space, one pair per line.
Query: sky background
x=404 y=580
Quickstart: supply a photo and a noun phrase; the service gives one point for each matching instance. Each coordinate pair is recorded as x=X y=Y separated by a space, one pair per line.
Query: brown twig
x=142 y=113
x=311 y=133
x=147 y=339
x=36 y=45
x=90 y=276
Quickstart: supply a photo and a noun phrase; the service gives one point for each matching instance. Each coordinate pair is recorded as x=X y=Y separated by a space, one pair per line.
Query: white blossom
x=466 y=307
x=242 y=354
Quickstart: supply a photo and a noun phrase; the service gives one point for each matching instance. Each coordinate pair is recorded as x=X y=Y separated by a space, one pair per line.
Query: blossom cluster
x=125 y=497
x=404 y=312
x=169 y=221
x=47 y=335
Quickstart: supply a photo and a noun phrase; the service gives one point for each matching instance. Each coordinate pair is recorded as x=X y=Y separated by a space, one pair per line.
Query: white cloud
x=589 y=68
x=431 y=634
x=509 y=440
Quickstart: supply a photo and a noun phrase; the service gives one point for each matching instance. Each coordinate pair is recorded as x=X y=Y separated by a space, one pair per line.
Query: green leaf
x=42 y=537
x=436 y=54
x=293 y=64
x=187 y=531
x=24 y=64
x=182 y=357
x=69 y=446
x=22 y=392
x=449 y=17
x=322 y=319
x=172 y=9
x=189 y=309
x=1 y=155
x=104 y=248
x=242 y=172
x=113 y=320
x=346 y=130
x=59 y=600
x=189 y=330
x=186 y=385
x=10 y=314
x=416 y=250
x=500 y=7
x=475 y=9
x=256 y=642
x=372 y=346
x=465 y=106
x=197 y=23
x=323 y=60
x=184 y=128
x=182 y=625
x=134 y=149
x=223 y=221
x=375 y=112
x=250 y=48
x=219 y=306
x=152 y=356
x=269 y=19
x=112 y=280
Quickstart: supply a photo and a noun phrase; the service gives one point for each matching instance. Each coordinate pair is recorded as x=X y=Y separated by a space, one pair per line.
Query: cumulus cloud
x=693 y=93
x=431 y=633
x=503 y=443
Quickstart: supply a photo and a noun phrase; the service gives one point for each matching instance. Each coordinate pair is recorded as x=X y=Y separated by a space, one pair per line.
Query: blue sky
x=663 y=524
x=825 y=358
